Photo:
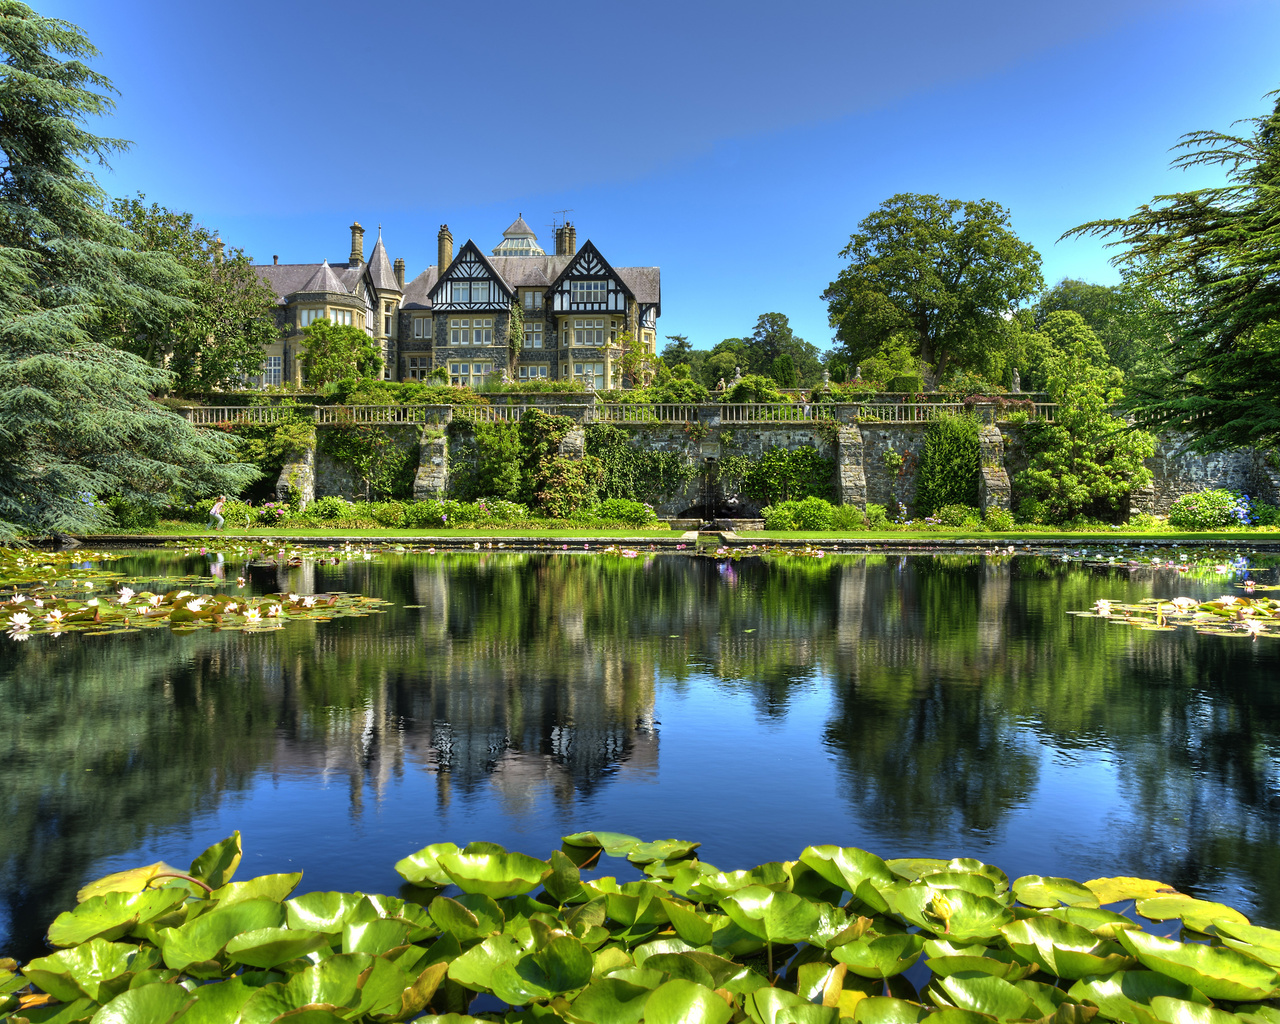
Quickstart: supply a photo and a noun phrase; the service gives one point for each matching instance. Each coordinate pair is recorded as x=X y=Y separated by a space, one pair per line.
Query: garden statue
x=737 y=374
x=857 y=373
x=826 y=380
x=1017 y=382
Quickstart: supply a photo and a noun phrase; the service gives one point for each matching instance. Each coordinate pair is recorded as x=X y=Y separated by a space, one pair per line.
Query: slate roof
x=384 y=279
x=417 y=293
x=325 y=280
x=519 y=229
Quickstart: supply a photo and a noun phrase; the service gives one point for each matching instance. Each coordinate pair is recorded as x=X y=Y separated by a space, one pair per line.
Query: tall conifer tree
x=76 y=416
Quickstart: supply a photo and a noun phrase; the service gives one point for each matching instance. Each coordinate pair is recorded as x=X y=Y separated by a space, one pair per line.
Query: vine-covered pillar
x=432 y=477
x=994 y=490
x=851 y=477
x=574 y=444
x=297 y=480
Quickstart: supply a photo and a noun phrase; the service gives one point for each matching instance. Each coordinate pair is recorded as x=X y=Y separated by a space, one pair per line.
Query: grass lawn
x=1023 y=536
x=281 y=533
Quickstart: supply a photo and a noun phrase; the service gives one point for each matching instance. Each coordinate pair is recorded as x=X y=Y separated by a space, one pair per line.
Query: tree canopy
x=1213 y=255
x=76 y=418
x=218 y=339
x=943 y=273
x=338 y=352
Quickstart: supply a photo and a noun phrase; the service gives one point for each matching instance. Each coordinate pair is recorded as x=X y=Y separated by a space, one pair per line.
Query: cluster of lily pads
x=837 y=936
x=1228 y=615
x=45 y=610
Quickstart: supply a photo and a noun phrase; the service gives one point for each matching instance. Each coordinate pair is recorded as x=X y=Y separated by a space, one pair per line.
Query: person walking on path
x=215 y=513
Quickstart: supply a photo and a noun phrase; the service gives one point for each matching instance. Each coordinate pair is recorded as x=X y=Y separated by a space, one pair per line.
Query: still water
x=924 y=705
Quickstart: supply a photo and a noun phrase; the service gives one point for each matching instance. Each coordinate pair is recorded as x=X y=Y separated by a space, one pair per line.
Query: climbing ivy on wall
x=949 y=464
x=486 y=460
x=631 y=472
x=788 y=474
x=385 y=467
x=270 y=445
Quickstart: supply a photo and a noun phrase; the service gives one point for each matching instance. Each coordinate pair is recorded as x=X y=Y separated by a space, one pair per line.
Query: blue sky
x=735 y=145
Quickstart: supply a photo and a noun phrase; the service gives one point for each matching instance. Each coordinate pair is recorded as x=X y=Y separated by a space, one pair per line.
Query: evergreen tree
x=1213 y=255
x=76 y=417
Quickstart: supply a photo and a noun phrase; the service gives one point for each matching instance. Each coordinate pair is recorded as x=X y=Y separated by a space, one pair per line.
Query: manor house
x=570 y=310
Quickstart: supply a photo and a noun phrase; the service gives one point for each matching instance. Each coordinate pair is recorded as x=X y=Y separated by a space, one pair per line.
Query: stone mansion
x=457 y=314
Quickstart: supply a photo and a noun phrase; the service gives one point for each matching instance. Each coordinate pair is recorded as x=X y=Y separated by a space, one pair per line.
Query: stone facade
x=874 y=462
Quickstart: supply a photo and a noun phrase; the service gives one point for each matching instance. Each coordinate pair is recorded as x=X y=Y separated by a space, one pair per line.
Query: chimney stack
x=400 y=273
x=559 y=241
x=357 y=244
x=570 y=240
x=275 y=260
x=445 y=250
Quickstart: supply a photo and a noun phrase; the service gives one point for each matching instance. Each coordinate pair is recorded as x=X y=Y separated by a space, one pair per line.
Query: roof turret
x=384 y=279
x=325 y=280
x=519 y=240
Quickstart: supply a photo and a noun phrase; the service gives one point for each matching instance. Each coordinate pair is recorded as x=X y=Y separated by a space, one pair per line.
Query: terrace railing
x=609 y=412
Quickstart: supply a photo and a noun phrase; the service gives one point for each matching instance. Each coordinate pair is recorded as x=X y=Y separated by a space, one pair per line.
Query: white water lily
x=154 y=600
x=17 y=598
x=239 y=581
x=18 y=634
x=1253 y=627
x=230 y=607
x=196 y=603
x=273 y=611
x=92 y=602
x=1183 y=603
x=308 y=602
x=252 y=615
x=1102 y=606
x=20 y=620
x=88 y=584
x=38 y=603
x=1227 y=600
x=126 y=595
x=54 y=616
x=181 y=594
x=293 y=598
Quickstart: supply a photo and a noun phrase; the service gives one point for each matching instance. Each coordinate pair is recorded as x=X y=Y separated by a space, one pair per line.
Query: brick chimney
x=570 y=240
x=275 y=260
x=357 y=244
x=399 y=267
x=559 y=241
x=445 y=250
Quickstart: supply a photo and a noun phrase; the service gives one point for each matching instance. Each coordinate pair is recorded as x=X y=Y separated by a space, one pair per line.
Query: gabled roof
x=380 y=268
x=587 y=251
x=645 y=283
x=325 y=280
x=470 y=246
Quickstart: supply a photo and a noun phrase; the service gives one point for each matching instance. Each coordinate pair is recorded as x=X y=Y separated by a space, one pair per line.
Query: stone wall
x=338 y=478
x=864 y=469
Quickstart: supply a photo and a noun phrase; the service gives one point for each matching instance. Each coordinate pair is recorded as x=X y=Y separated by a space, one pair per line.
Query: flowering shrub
x=273 y=513
x=1212 y=510
x=998 y=520
x=621 y=510
x=958 y=516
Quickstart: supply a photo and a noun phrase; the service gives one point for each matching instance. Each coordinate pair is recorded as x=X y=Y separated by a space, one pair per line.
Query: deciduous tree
x=332 y=353
x=944 y=272
x=76 y=417
x=218 y=338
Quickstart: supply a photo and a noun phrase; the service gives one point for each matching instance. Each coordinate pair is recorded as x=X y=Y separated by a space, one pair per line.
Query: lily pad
x=1218 y=972
x=684 y=1002
x=1039 y=891
x=495 y=875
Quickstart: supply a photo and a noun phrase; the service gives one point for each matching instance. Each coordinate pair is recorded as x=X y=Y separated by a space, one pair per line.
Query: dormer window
x=479 y=291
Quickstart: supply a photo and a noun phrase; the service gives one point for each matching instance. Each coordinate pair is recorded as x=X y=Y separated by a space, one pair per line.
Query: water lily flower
x=293 y=598
x=430 y=551
x=628 y=553
x=1253 y=627
x=92 y=602
x=18 y=634
x=239 y=581
x=1102 y=606
x=273 y=611
x=38 y=603
x=1227 y=600
x=126 y=595
x=20 y=620
x=230 y=607
x=368 y=556
x=54 y=616
x=308 y=602
x=181 y=594
x=154 y=600
x=1249 y=585
x=196 y=603
x=252 y=615
x=17 y=598
x=88 y=584
x=1183 y=604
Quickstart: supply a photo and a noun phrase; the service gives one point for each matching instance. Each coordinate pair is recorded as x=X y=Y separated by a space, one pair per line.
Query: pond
x=932 y=705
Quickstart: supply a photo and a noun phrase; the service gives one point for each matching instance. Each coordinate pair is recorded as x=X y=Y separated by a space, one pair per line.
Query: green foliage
x=1088 y=461
x=1267 y=515
x=998 y=520
x=877 y=516
x=76 y=416
x=133 y=515
x=384 y=465
x=784 y=371
x=754 y=388
x=564 y=485
x=1216 y=374
x=268 y=446
x=949 y=463
x=218 y=339
x=816 y=939
x=332 y=353
x=629 y=471
x=939 y=272
x=371 y=391
x=1211 y=510
x=811 y=513
x=485 y=460
x=906 y=384
x=782 y=474
x=621 y=511
x=959 y=516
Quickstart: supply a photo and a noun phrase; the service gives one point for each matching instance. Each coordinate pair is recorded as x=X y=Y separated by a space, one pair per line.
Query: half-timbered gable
x=471 y=283
x=589 y=285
